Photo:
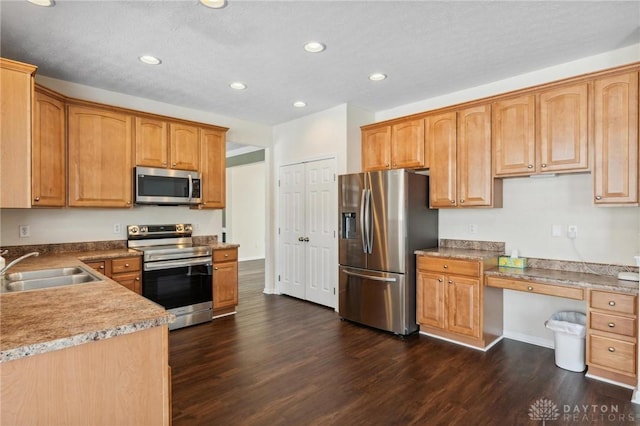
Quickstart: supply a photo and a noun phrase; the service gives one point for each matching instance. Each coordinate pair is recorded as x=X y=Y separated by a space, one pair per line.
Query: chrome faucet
x=21 y=258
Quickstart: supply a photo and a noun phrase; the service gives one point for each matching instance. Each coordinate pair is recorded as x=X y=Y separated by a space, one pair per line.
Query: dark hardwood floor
x=283 y=361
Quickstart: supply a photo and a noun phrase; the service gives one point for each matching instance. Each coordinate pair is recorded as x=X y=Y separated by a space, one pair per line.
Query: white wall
x=356 y=117
x=245 y=209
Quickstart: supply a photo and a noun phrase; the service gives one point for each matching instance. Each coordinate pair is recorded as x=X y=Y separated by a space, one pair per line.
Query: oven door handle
x=168 y=264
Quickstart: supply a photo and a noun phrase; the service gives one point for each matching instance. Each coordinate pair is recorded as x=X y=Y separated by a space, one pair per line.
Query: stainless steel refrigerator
x=384 y=218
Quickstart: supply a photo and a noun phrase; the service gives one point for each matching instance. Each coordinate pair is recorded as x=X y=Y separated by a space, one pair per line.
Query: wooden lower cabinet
x=452 y=303
x=123 y=380
x=612 y=343
x=225 y=281
x=126 y=271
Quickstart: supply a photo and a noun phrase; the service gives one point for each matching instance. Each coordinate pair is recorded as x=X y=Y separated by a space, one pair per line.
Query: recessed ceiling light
x=314 y=47
x=214 y=4
x=299 y=104
x=377 y=76
x=150 y=60
x=46 y=3
x=238 y=85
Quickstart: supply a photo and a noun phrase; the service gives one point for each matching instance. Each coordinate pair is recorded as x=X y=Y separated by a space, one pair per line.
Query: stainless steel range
x=176 y=273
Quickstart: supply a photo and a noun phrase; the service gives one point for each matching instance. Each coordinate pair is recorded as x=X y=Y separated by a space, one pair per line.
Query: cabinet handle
x=215 y=268
x=544 y=165
x=530 y=288
x=450 y=281
x=36 y=199
x=173 y=164
x=530 y=166
x=137 y=278
x=226 y=255
x=101 y=266
x=446 y=266
x=598 y=197
x=439 y=280
x=462 y=201
x=386 y=165
x=164 y=163
x=453 y=201
x=611 y=325
x=128 y=203
x=612 y=303
x=612 y=349
x=126 y=265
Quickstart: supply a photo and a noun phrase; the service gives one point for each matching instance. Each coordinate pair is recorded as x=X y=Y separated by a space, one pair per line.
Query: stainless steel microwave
x=165 y=186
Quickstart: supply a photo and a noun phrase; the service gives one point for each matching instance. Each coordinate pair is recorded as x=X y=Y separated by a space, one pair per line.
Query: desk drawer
x=533 y=287
x=449 y=266
x=613 y=324
x=613 y=302
x=613 y=354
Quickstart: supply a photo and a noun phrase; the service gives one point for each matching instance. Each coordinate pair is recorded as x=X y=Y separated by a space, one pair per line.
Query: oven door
x=178 y=283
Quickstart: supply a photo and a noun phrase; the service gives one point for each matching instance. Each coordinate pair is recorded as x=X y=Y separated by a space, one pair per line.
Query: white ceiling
x=427 y=48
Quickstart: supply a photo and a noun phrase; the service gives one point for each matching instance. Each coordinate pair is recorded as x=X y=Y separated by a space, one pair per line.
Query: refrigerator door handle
x=362 y=223
x=369 y=277
x=369 y=213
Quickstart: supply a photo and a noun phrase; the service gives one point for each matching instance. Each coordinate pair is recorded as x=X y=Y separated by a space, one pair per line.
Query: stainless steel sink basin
x=46 y=278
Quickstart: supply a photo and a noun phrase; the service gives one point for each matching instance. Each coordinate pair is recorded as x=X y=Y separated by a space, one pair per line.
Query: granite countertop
x=566 y=278
x=40 y=321
x=546 y=276
x=459 y=253
x=221 y=246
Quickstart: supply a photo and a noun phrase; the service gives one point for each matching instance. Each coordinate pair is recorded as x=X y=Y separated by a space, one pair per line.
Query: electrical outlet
x=24 y=231
x=473 y=228
x=116 y=228
x=572 y=232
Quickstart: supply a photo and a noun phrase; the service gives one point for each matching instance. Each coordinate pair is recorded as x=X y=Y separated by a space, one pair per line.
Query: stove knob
x=134 y=229
x=180 y=228
x=188 y=228
x=144 y=229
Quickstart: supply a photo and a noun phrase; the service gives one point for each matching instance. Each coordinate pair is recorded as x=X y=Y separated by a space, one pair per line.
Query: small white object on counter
x=628 y=276
x=514 y=253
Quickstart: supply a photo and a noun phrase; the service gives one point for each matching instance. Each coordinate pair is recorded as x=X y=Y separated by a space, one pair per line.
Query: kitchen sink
x=46 y=278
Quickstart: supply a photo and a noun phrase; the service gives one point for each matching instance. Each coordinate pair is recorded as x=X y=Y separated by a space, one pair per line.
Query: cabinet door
x=16 y=87
x=563 y=129
x=475 y=175
x=616 y=139
x=100 y=157
x=213 y=168
x=513 y=136
x=376 y=148
x=430 y=302
x=49 y=152
x=225 y=285
x=440 y=135
x=184 y=146
x=151 y=142
x=131 y=280
x=463 y=305
x=407 y=145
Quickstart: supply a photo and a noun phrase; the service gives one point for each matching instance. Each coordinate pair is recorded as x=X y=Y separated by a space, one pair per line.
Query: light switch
x=556 y=230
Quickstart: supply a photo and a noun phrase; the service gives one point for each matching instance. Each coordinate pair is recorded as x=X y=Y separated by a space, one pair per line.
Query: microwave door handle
x=190 y=186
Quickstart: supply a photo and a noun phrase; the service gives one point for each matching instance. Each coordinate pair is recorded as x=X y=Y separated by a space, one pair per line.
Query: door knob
x=306 y=239
x=300 y=239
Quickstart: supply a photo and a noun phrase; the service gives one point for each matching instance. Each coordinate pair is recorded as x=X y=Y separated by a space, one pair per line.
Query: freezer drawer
x=376 y=299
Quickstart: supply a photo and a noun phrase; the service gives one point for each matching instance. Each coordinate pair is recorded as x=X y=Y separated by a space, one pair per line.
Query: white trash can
x=569 y=330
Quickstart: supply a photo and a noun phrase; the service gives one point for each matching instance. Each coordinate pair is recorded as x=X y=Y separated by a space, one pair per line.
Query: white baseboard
x=525 y=338
x=270 y=291
x=613 y=382
x=242 y=259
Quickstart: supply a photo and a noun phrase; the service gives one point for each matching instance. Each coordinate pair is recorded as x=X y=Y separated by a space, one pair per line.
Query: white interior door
x=307 y=231
x=320 y=238
x=291 y=229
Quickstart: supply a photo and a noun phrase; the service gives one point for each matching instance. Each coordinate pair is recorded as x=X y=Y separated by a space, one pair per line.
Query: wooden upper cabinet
x=397 y=146
x=441 y=136
x=100 y=157
x=563 y=129
x=213 y=168
x=513 y=134
x=16 y=97
x=616 y=139
x=184 y=146
x=49 y=152
x=376 y=148
x=152 y=149
x=475 y=178
x=407 y=144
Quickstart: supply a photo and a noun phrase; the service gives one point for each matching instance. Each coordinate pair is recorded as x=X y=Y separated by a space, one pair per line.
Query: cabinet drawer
x=614 y=302
x=613 y=354
x=613 y=324
x=99 y=266
x=127 y=264
x=449 y=266
x=225 y=255
x=533 y=287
